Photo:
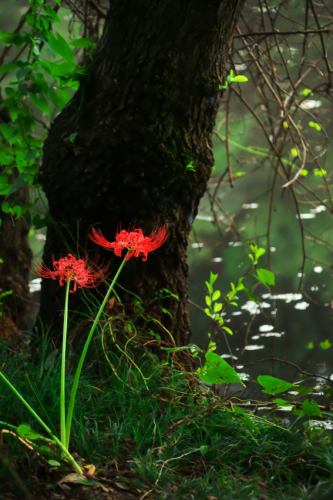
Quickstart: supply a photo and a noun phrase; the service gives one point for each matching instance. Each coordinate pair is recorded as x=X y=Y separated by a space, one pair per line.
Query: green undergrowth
x=134 y=412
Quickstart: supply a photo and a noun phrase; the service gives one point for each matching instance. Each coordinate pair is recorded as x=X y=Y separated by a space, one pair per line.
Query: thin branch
x=283 y=33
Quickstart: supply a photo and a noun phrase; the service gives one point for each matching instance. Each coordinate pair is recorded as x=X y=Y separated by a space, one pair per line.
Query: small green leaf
x=303 y=390
x=39 y=223
x=207 y=311
x=310 y=345
x=59 y=101
x=240 y=78
x=315 y=125
x=266 y=277
x=273 y=385
x=227 y=330
x=40 y=102
x=319 y=171
x=61 y=47
x=8 y=67
x=208 y=300
x=50 y=12
x=217 y=371
x=82 y=42
x=216 y=295
x=3 y=180
x=311 y=408
x=53 y=463
x=325 y=345
x=25 y=432
x=251 y=295
x=213 y=278
x=217 y=307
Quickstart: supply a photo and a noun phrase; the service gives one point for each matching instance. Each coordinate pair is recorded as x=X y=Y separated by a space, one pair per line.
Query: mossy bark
x=145 y=112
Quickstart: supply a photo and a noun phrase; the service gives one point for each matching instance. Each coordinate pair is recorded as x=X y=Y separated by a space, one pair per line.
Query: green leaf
x=303 y=390
x=17 y=209
x=6 y=159
x=16 y=38
x=273 y=385
x=82 y=42
x=266 y=277
x=216 y=295
x=30 y=18
x=310 y=345
x=40 y=102
x=227 y=330
x=53 y=463
x=240 y=78
x=58 y=2
x=9 y=67
x=209 y=286
x=282 y=402
x=325 y=345
x=207 y=311
x=311 y=408
x=59 y=101
x=39 y=223
x=208 y=300
x=315 y=125
x=217 y=307
x=19 y=182
x=217 y=371
x=60 y=46
x=61 y=69
x=213 y=278
x=251 y=295
x=319 y=171
x=3 y=179
x=50 y=12
x=260 y=252
x=25 y=432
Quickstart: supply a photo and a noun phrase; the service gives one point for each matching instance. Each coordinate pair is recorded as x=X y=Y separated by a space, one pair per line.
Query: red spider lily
x=133 y=240
x=69 y=268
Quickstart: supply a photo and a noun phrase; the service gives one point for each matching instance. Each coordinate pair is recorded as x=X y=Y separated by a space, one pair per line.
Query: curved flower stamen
x=134 y=241
x=76 y=270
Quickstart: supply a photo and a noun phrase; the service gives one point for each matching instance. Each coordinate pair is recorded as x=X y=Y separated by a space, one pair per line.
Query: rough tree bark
x=17 y=257
x=146 y=111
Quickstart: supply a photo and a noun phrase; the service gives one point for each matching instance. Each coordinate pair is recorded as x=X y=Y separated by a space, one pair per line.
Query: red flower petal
x=133 y=240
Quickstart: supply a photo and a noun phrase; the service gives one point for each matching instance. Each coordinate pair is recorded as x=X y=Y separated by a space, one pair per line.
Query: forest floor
x=143 y=429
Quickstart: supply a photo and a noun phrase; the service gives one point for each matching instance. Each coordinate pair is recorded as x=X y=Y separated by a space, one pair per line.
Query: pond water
x=287 y=323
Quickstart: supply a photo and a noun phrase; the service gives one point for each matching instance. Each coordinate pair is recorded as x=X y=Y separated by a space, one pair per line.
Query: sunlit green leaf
x=311 y=408
x=240 y=78
x=217 y=371
x=266 y=277
x=273 y=385
x=325 y=345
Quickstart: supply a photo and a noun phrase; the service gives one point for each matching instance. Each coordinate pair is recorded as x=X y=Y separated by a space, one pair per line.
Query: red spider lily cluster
x=69 y=268
x=133 y=240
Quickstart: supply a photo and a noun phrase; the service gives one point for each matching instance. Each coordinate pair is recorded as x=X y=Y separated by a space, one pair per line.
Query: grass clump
x=144 y=428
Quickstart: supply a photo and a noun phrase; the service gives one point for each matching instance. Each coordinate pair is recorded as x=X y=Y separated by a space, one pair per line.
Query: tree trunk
x=146 y=112
x=16 y=255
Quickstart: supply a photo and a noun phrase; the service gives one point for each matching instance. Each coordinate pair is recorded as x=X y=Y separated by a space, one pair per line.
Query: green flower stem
x=59 y=443
x=83 y=355
x=63 y=373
